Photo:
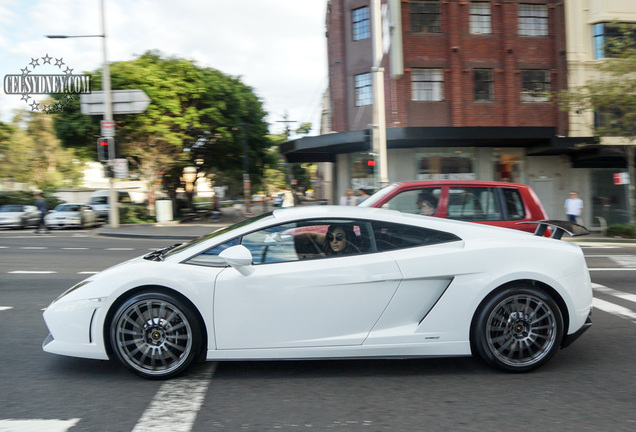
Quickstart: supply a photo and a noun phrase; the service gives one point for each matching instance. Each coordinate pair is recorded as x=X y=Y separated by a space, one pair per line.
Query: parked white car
x=71 y=215
x=19 y=216
x=329 y=282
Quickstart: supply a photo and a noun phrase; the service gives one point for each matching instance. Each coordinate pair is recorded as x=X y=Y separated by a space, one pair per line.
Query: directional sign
x=124 y=102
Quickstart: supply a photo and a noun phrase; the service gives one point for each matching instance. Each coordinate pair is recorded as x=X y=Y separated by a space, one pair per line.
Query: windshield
x=377 y=196
x=68 y=207
x=216 y=233
x=11 y=208
x=99 y=200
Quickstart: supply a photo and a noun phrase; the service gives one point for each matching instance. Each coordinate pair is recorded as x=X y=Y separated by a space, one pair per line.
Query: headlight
x=71 y=289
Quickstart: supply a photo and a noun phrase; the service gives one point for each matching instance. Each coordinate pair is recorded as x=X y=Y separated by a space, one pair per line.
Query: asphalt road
x=589 y=386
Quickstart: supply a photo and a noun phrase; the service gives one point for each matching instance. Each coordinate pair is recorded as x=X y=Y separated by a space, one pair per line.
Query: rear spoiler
x=560 y=227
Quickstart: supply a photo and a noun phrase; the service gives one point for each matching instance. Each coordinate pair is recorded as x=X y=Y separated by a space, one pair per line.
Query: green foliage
x=28 y=198
x=622 y=230
x=32 y=154
x=134 y=214
x=195 y=113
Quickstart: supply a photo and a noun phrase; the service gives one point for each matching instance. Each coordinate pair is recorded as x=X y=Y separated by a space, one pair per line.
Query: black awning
x=324 y=148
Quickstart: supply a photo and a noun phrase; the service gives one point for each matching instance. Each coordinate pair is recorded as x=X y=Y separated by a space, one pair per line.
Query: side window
x=312 y=239
x=418 y=201
x=391 y=236
x=514 y=204
x=473 y=204
x=211 y=256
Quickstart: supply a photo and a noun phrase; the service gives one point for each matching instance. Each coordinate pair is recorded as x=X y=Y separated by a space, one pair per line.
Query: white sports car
x=329 y=282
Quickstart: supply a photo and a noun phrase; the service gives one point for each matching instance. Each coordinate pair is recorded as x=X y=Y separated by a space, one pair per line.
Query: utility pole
x=246 y=171
x=290 y=174
x=379 y=114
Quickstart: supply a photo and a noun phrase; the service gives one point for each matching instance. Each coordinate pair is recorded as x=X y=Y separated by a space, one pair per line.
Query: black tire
x=155 y=335
x=517 y=330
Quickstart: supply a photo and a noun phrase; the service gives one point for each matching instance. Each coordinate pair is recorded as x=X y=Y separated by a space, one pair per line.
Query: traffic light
x=105 y=148
x=368 y=138
x=371 y=166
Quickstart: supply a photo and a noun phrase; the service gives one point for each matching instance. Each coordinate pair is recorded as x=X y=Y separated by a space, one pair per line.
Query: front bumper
x=73 y=330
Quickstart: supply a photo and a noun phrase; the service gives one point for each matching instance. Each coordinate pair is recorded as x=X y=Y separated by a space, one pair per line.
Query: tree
x=32 y=154
x=613 y=99
x=194 y=115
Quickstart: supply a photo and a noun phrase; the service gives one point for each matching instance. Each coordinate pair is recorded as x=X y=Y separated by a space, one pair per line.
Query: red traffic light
x=105 y=149
x=371 y=163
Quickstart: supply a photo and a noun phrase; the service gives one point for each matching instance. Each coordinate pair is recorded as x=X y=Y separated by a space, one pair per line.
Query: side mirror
x=239 y=257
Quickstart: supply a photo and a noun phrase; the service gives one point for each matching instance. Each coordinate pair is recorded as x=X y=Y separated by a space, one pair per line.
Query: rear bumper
x=567 y=341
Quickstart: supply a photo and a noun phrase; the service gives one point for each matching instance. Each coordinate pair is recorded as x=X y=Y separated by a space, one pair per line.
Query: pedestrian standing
x=573 y=207
x=349 y=199
x=40 y=203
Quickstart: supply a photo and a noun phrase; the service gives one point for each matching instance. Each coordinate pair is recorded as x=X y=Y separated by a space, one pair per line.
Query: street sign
x=124 y=102
x=108 y=128
x=621 y=178
x=120 y=166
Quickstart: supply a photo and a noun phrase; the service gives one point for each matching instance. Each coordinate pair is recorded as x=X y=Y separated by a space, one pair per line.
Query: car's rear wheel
x=155 y=335
x=518 y=329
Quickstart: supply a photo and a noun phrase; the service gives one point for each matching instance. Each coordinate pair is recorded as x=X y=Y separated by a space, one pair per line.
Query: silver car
x=71 y=215
x=19 y=216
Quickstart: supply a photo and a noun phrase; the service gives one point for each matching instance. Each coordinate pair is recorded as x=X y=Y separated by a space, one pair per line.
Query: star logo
x=31 y=82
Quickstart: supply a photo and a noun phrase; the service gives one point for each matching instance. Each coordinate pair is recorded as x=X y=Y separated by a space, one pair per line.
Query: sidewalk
x=173 y=230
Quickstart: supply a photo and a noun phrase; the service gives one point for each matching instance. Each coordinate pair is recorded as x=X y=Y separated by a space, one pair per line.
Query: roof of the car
x=412 y=183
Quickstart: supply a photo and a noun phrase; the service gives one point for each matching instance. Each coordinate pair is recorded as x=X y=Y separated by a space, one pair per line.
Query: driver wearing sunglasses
x=339 y=240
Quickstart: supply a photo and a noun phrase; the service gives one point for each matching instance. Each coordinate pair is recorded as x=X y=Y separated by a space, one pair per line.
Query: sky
x=277 y=47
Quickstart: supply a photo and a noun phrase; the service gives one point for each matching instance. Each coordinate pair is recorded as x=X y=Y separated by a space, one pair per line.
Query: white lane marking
x=612 y=269
x=119 y=249
x=75 y=248
x=32 y=272
x=4 y=247
x=88 y=272
x=624 y=260
x=34 y=247
x=11 y=425
x=615 y=293
x=4 y=308
x=614 y=309
x=184 y=397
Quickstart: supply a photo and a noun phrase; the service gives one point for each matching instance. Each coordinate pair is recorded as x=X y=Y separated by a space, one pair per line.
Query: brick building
x=467 y=96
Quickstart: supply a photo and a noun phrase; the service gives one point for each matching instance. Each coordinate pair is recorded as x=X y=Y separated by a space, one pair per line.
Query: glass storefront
x=507 y=165
x=609 y=200
x=451 y=164
x=362 y=172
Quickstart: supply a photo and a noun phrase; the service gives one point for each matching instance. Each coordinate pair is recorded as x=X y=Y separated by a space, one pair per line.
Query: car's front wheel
x=155 y=335
x=518 y=329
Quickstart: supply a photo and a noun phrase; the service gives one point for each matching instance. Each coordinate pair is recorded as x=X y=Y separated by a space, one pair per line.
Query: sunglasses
x=339 y=237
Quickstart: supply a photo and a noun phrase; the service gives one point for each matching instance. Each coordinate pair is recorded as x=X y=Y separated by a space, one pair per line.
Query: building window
x=484 y=88
x=533 y=20
x=363 y=89
x=535 y=86
x=480 y=19
x=427 y=84
x=618 y=33
x=361 y=23
x=425 y=16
